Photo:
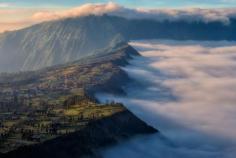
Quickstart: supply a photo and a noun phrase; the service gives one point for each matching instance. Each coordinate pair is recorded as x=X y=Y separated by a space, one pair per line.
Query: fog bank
x=186 y=14
x=186 y=90
x=28 y=17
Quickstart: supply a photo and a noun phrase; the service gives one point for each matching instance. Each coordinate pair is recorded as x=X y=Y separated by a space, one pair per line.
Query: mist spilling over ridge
x=64 y=40
x=73 y=81
x=186 y=89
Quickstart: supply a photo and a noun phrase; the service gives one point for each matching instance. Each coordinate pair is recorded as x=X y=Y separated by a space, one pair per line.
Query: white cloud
x=5 y=5
x=200 y=119
x=84 y=10
x=188 y=14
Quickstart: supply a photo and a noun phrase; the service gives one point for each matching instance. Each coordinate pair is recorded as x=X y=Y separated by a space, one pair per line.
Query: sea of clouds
x=187 y=90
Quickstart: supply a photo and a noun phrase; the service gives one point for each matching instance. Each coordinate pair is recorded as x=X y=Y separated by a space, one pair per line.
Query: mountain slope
x=54 y=43
x=89 y=141
x=66 y=40
x=135 y=29
x=53 y=111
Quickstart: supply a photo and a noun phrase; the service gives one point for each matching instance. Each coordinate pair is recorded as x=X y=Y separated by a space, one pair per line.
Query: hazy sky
x=129 y=3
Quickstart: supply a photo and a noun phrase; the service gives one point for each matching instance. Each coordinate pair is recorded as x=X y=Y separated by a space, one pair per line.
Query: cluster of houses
x=37 y=125
x=22 y=122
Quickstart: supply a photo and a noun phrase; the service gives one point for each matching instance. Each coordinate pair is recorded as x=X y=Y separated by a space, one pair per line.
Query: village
x=50 y=107
x=30 y=125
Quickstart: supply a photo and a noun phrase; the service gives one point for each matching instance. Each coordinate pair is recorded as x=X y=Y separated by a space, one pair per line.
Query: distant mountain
x=66 y=40
x=176 y=30
x=56 y=42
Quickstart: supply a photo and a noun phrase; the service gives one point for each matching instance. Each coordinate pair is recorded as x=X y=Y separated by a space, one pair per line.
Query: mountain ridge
x=53 y=43
x=56 y=109
x=61 y=41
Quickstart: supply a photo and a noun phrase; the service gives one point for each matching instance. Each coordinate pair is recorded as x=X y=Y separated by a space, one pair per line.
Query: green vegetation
x=42 y=105
x=42 y=124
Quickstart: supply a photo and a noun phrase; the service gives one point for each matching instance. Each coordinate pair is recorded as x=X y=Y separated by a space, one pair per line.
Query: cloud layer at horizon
x=26 y=17
x=132 y=4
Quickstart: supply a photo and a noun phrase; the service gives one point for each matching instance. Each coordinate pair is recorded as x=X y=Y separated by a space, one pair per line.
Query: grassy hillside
x=41 y=108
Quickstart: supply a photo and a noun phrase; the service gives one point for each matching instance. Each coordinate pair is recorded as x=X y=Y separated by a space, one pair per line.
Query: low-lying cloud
x=200 y=120
x=187 y=14
x=84 y=10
